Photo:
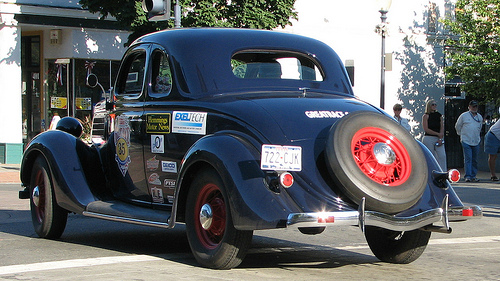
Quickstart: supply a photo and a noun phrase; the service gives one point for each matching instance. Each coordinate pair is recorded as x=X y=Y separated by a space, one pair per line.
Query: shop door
x=454 y=154
x=33 y=123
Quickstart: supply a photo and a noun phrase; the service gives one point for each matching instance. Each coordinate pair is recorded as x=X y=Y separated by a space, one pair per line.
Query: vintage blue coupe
x=231 y=131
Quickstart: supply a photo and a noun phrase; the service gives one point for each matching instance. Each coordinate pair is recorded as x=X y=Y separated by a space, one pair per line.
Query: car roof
x=203 y=55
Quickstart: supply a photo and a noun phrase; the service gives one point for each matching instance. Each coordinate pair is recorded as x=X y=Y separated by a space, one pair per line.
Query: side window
x=131 y=78
x=161 y=76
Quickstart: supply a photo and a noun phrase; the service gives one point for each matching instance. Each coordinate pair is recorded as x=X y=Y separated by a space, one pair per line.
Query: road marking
x=24 y=268
x=465 y=240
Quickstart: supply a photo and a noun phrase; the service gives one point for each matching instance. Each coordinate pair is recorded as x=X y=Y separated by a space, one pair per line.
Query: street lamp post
x=383 y=6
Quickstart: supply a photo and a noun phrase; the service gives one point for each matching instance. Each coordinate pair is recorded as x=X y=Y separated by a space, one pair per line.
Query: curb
x=9 y=174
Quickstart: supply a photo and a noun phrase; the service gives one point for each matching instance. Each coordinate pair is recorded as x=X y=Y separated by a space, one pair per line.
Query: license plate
x=281 y=158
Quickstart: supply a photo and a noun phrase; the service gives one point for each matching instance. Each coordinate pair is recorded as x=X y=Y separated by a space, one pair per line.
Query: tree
x=473 y=54
x=259 y=14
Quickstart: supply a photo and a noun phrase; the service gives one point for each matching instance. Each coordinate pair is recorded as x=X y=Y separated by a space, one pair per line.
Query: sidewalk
x=9 y=173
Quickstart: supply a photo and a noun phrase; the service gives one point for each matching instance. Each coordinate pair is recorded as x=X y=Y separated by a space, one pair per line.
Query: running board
x=122 y=212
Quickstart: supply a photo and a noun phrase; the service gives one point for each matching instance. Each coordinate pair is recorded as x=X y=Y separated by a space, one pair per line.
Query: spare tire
x=370 y=155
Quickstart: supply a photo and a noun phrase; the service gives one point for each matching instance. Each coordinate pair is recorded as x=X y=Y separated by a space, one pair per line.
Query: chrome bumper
x=362 y=218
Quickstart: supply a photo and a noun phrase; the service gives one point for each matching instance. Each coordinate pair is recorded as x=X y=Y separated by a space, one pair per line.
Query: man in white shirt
x=468 y=126
x=397 y=108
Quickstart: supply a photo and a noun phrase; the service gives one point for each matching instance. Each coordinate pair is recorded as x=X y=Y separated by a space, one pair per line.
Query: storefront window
x=31 y=94
x=82 y=98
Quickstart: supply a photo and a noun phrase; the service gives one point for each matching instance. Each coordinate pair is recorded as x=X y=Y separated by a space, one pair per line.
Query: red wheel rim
x=40 y=207
x=362 y=148
x=211 y=237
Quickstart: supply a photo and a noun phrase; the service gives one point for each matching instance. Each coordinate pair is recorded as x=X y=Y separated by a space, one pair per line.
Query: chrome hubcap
x=206 y=216
x=384 y=153
x=36 y=195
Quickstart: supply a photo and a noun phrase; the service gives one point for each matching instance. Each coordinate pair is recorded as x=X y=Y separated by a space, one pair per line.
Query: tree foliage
x=259 y=14
x=474 y=53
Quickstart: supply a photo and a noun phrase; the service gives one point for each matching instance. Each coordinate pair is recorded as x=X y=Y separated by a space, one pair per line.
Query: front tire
x=49 y=220
x=214 y=241
x=396 y=246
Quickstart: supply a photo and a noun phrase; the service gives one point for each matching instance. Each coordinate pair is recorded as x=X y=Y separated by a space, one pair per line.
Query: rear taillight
x=453 y=175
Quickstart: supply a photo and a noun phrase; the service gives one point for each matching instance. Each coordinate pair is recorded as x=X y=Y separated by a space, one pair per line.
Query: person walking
x=492 y=148
x=468 y=126
x=54 y=121
x=433 y=123
x=397 y=108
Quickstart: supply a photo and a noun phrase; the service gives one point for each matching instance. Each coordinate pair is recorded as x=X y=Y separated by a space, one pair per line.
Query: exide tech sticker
x=189 y=122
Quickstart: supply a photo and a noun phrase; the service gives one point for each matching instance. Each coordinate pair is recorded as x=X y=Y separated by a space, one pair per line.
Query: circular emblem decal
x=121 y=149
x=122 y=155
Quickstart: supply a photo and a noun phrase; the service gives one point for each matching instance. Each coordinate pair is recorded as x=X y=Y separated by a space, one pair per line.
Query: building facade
x=415 y=45
x=47 y=49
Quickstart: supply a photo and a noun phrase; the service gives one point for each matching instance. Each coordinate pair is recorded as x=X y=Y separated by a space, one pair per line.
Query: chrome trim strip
x=126 y=220
x=383 y=220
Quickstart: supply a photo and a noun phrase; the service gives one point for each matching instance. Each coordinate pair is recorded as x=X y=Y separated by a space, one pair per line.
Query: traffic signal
x=157 y=10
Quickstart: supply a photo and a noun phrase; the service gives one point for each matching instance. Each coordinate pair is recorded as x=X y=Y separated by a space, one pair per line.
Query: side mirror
x=92 y=80
x=158 y=10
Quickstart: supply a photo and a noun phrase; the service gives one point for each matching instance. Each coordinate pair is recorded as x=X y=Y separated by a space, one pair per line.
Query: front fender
x=70 y=184
x=253 y=205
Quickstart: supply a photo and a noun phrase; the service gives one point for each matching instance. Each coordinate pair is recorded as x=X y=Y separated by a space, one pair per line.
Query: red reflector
x=286 y=179
x=454 y=175
x=467 y=212
x=329 y=219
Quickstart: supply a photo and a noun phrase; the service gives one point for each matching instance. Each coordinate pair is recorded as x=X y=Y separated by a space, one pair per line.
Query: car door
x=129 y=181
x=161 y=150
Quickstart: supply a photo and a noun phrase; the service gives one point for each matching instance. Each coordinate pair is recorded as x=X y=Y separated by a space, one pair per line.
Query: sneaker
x=467 y=179
x=475 y=179
x=494 y=178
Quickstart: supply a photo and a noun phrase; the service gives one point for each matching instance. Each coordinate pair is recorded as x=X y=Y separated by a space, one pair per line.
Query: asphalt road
x=92 y=249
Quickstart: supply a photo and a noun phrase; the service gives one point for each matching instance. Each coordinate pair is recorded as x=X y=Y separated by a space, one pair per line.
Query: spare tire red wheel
x=370 y=155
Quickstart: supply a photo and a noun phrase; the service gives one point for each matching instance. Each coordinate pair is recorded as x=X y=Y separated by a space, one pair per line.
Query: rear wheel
x=49 y=220
x=397 y=246
x=212 y=237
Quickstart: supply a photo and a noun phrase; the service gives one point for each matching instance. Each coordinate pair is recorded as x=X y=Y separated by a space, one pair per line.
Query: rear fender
x=253 y=205
x=433 y=195
x=59 y=148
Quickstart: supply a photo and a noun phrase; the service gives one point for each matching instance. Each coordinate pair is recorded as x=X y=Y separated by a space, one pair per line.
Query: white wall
x=349 y=28
x=10 y=81
x=86 y=44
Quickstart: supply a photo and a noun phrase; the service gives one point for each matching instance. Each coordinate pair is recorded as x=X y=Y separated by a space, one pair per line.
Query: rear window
x=259 y=64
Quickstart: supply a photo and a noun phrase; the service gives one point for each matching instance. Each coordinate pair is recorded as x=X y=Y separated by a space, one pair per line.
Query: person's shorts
x=491 y=144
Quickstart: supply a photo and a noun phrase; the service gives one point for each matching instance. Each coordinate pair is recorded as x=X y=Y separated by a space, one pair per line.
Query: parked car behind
x=230 y=131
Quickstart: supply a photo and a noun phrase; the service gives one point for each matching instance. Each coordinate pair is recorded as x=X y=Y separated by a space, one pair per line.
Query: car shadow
x=172 y=244
x=487 y=198
x=275 y=253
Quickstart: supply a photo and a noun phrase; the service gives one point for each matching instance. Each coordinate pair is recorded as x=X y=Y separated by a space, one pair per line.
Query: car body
x=231 y=131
